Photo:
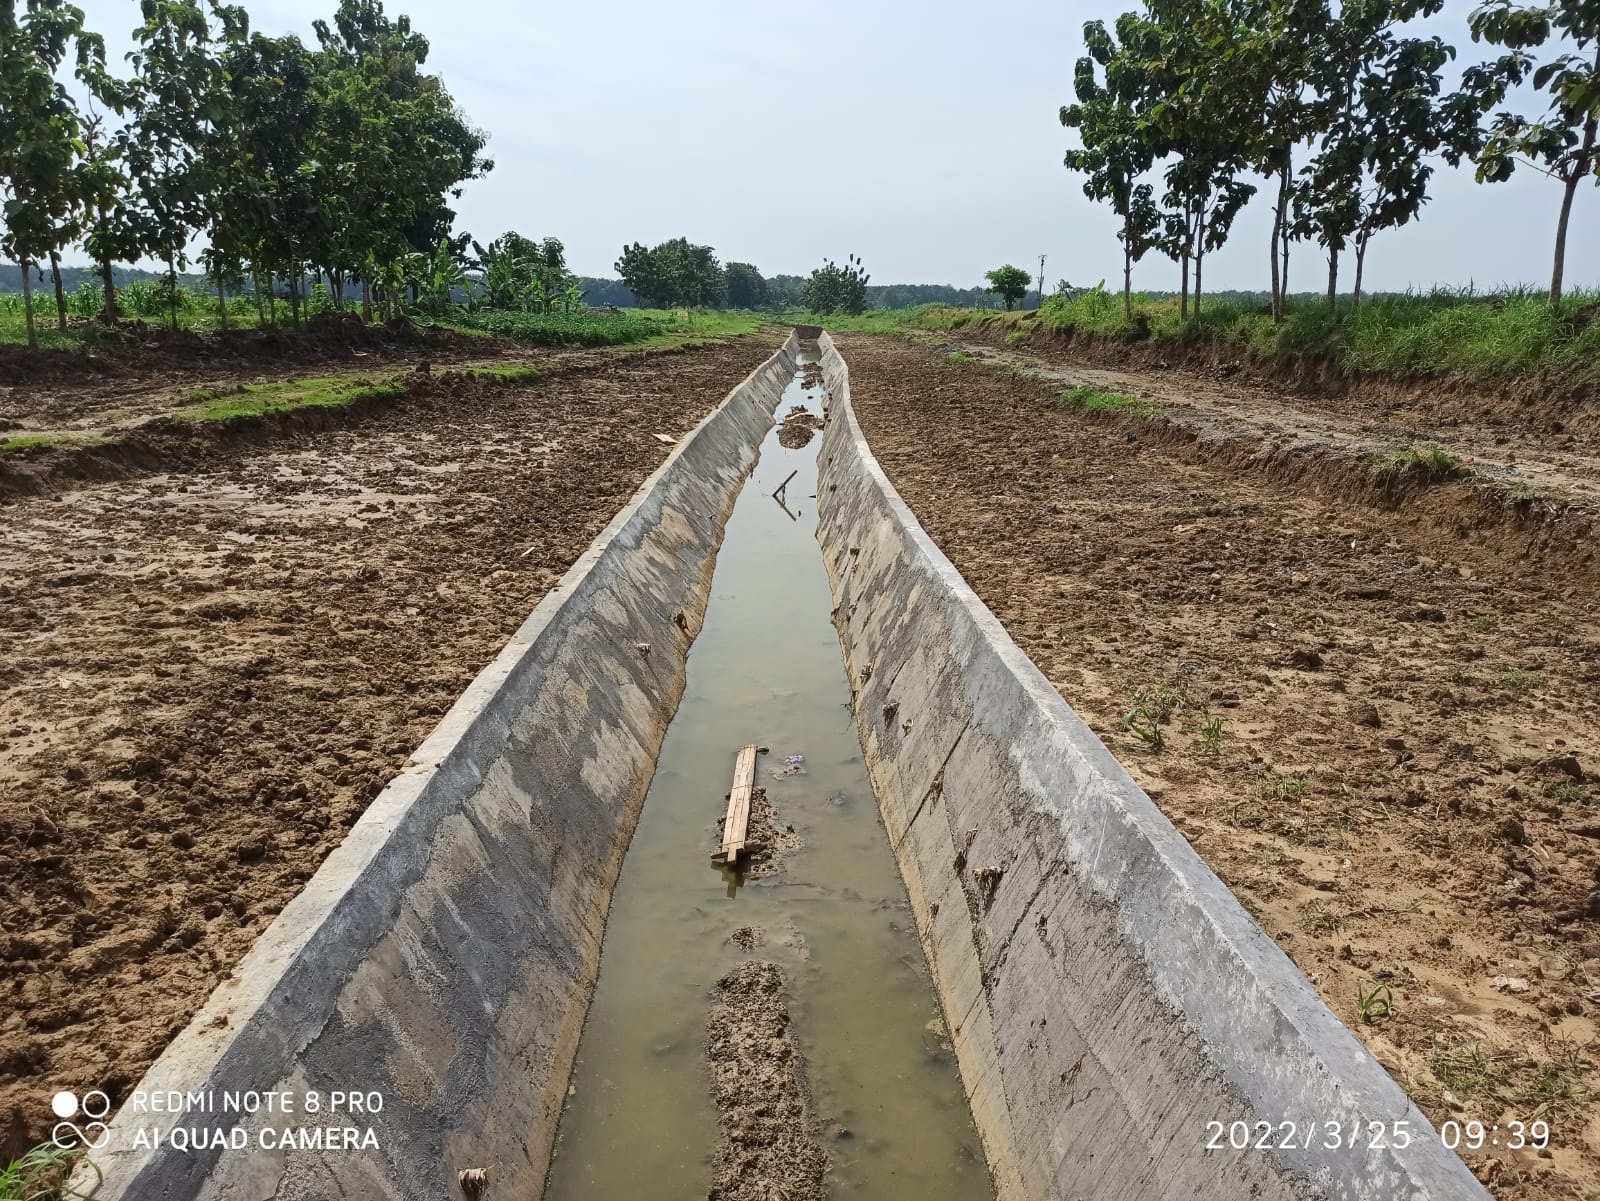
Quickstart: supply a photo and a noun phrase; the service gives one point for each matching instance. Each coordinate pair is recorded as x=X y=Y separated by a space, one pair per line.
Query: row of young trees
x=337 y=159
x=1335 y=106
x=680 y=273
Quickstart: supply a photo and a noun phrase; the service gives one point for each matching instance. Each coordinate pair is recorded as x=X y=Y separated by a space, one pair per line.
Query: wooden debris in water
x=735 y=826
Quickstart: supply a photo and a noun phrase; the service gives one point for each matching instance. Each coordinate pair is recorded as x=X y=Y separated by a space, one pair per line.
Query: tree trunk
x=366 y=300
x=1361 y=258
x=172 y=291
x=1333 y=279
x=1558 y=270
x=255 y=281
x=61 y=297
x=27 y=303
x=222 y=306
x=1272 y=253
x=1183 y=296
x=1280 y=242
x=108 y=311
x=1199 y=262
x=1285 y=284
x=1127 y=284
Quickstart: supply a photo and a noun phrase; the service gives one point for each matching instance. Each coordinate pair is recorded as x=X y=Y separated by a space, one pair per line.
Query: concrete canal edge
x=1109 y=998
x=443 y=956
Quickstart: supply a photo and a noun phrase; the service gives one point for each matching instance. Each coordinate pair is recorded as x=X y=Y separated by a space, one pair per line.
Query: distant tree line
x=781 y=291
x=335 y=160
x=678 y=273
x=1339 y=110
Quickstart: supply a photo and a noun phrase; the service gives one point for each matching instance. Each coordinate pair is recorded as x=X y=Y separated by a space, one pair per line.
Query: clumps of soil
x=758 y=1082
x=748 y=938
x=766 y=843
x=811 y=375
x=798 y=428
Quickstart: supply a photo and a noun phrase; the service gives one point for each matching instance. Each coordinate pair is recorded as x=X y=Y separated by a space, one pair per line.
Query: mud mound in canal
x=798 y=428
x=758 y=1082
x=766 y=842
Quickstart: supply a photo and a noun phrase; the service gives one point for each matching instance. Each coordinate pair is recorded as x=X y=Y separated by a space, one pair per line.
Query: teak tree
x=1562 y=143
x=1115 y=149
x=41 y=139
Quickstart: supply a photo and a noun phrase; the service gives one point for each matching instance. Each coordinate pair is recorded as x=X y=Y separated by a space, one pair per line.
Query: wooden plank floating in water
x=737 y=824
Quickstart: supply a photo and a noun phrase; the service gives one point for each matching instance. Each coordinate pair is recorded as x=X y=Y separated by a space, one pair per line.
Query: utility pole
x=1041 y=282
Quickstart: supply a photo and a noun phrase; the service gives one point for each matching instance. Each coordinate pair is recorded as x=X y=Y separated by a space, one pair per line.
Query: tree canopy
x=1009 y=283
x=1336 y=105
x=836 y=289
x=676 y=272
x=338 y=159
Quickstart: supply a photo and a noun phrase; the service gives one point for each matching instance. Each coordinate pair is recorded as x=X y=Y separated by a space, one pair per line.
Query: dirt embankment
x=209 y=672
x=1530 y=487
x=758 y=1082
x=141 y=437
x=1385 y=739
x=135 y=351
x=1545 y=396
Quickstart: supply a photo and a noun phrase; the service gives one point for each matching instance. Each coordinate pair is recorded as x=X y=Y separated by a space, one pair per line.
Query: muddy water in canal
x=886 y=1101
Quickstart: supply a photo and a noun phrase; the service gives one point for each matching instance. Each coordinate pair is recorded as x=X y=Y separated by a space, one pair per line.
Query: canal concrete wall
x=442 y=958
x=1108 y=997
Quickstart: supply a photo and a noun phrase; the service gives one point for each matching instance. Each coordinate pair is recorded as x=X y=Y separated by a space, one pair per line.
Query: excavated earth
x=211 y=668
x=1375 y=714
x=769 y=1147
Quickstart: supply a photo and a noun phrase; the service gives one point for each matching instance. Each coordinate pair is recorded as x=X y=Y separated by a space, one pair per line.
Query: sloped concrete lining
x=443 y=956
x=1107 y=994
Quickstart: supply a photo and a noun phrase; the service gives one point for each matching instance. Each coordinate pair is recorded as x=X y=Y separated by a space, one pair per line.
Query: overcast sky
x=923 y=137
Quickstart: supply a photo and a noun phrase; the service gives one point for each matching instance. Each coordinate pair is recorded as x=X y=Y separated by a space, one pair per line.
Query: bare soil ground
x=210 y=671
x=758 y=1081
x=1376 y=717
x=1544 y=453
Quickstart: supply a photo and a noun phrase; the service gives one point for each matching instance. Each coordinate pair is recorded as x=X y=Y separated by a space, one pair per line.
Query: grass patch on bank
x=255 y=400
x=1096 y=400
x=1429 y=462
x=603 y=327
x=693 y=327
x=41 y=1175
x=509 y=374
x=881 y=321
x=586 y=327
x=21 y=444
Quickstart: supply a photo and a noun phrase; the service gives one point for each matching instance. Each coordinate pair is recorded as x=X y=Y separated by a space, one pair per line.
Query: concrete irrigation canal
x=965 y=956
